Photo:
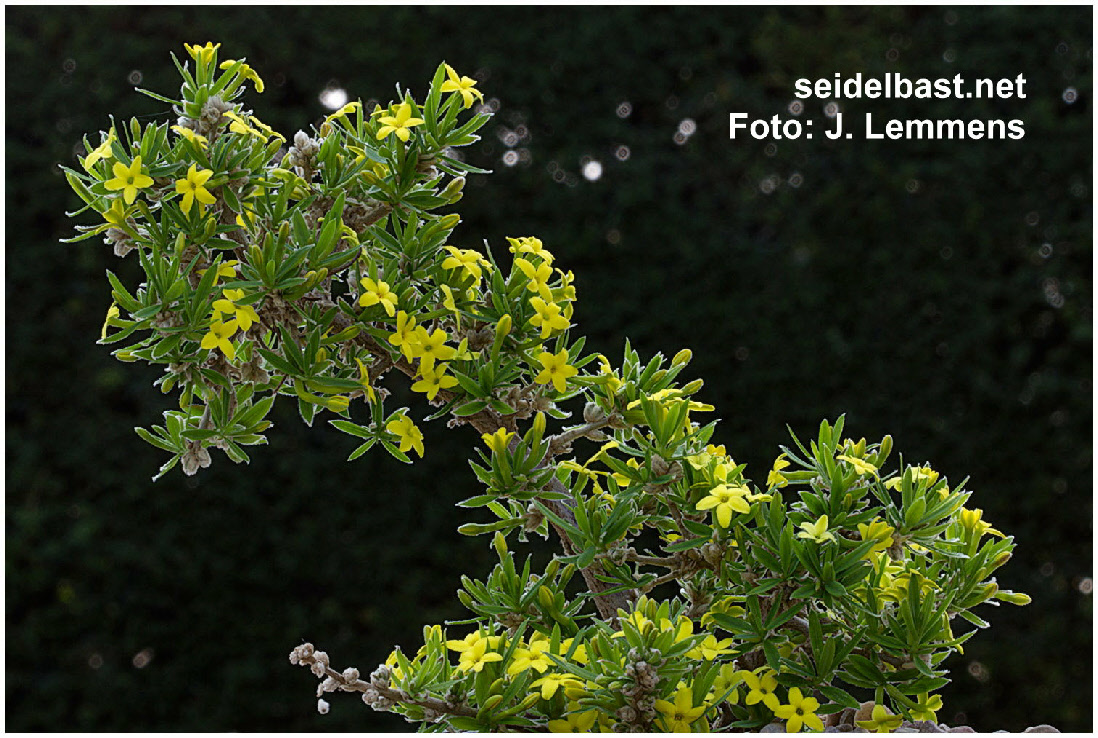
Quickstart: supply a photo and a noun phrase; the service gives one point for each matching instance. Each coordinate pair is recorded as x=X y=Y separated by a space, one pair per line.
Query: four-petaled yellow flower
x=129 y=179
x=547 y=316
x=112 y=312
x=555 y=369
x=882 y=721
x=192 y=187
x=375 y=293
x=530 y=245
x=103 y=151
x=399 y=123
x=879 y=531
x=245 y=314
x=972 y=520
x=218 y=337
x=538 y=276
x=474 y=652
x=800 y=711
x=464 y=86
x=246 y=72
x=497 y=442
x=433 y=379
x=226 y=270
x=816 y=531
x=202 y=54
x=724 y=499
x=116 y=214
x=678 y=716
x=574 y=722
x=196 y=139
x=551 y=682
x=775 y=478
x=431 y=346
x=535 y=657
x=405 y=336
x=927 y=706
x=364 y=380
x=466 y=259
x=345 y=110
x=860 y=465
x=410 y=436
x=761 y=688
x=710 y=648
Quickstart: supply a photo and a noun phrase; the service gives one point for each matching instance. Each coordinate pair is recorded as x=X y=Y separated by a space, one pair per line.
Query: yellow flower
x=860 y=465
x=538 y=276
x=535 y=657
x=226 y=270
x=202 y=54
x=431 y=346
x=246 y=72
x=800 y=711
x=218 y=337
x=112 y=312
x=245 y=314
x=192 y=187
x=882 y=721
x=724 y=499
x=103 y=151
x=497 y=442
x=547 y=316
x=466 y=259
x=364 y=380
x=409 y=435
x=971 y=521
x=129 y=179
x=574 y=722
x=551 y=682
x=761 y=688
x=816 y=531
x=345 y=110
x=710 y=648
x=879 y=531
x=399 y=123
x=405 y=336
x=464 y=86
x=776 y=478
x=187 y=133
x=724 y=686
x=474 y=652
x=918 y=473
x=677 y=716
x=375 y=293
x=433 y=379
x=927 y=706
x=117 y=213
x=555 y=369
x=530 y=245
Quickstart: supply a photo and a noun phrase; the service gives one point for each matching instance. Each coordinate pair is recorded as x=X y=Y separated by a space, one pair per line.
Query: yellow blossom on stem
x=497 y=442
x=246 y=72
x=464 y=86
x=928 y=706
x=202 y=54
x=431 y=346
x=474 y=652
x=574 y=722
x=555 y=369
x=538 y=276
x=816 y=531
x=761 y=688
x=187 y=133
x=918 y=473
x=724 y=685
x=116 y=214
x=112 y=312
x=530 y=245
x=551 y=682
x=800 y=711
x=345 y=110
x=877 y=530
x=860 y=465
x=226 y=270
x=405 y=336
x=882 y=721
x=218 y=337
x=409 y=435
x=192 y=187
x=710 y=648
x=400 y=123
x=103 y=151
x=724 y=499
x=465 y=259
x=535 y=657
x=364 y=380
x=678 y=716
x=129 y=179
x=374 y=293
x=245 y=314
x=433 y=379
x=775 y=478
x=547 y=316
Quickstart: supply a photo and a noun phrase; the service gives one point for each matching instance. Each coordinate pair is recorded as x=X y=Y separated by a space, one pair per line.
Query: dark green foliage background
x=901 y=283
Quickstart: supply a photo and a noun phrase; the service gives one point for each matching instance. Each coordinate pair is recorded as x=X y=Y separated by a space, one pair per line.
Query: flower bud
x=453 y=191
x=682 y=358
x=693 y=387
x=448 y=222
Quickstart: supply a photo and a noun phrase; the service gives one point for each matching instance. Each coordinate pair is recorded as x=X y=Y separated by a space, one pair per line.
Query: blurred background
x=939 y=291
